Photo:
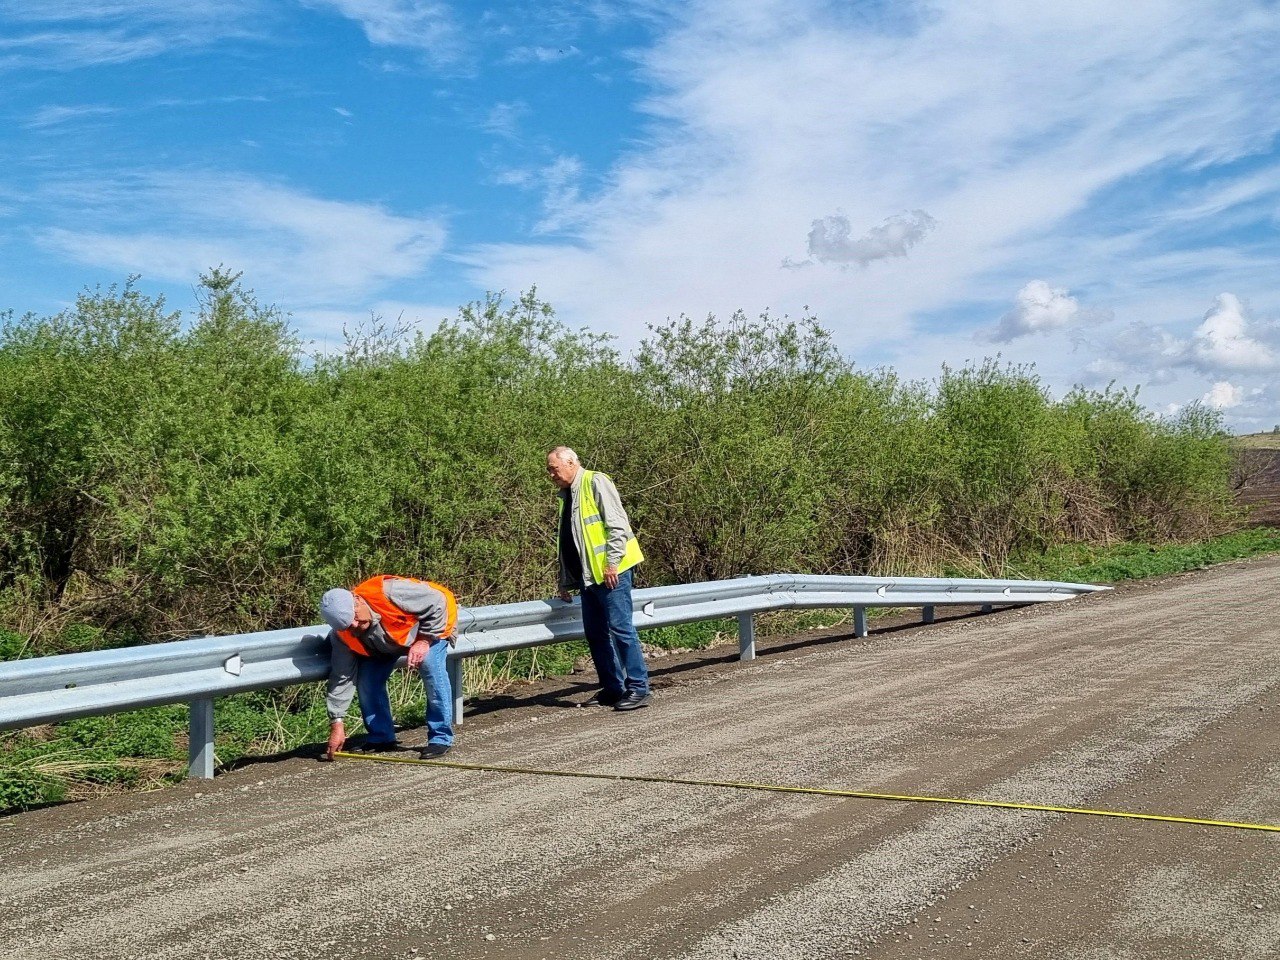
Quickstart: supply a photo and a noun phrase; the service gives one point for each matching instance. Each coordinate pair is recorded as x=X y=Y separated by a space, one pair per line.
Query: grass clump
x=1081 y=563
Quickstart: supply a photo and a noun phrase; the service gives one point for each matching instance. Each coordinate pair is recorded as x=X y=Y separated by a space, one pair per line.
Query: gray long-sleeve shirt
x=420 y=599
x=616 y=523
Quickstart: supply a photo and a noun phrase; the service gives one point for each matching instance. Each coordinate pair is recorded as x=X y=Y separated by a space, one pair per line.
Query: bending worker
x=597 y=551
x=374 y=625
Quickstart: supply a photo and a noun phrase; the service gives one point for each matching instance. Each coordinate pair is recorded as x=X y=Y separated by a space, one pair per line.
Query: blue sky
x=1090 y=187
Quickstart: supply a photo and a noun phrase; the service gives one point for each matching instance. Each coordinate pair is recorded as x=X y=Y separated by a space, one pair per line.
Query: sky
x=1089 y=187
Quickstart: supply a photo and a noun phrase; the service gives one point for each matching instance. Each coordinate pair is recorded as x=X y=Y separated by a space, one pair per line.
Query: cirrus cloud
x=311 y=249
x=426 y=26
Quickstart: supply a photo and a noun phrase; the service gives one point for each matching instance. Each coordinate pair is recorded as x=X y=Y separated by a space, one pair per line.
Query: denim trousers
x=372 y=674
x=611 y=635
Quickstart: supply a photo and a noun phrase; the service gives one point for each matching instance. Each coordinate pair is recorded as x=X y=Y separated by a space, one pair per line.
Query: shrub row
x=162 y=479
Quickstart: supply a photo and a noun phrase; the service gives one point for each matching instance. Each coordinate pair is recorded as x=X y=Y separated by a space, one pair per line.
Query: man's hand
x=337 y=738
x=417 y=653
x=566 y=596
x=611 y=576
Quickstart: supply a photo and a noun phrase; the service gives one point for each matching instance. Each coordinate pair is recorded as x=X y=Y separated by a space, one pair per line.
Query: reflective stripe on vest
x=595 y=536
x=397 y=624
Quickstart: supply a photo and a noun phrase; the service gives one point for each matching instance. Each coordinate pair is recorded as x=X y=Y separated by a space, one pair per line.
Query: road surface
x=1160 y=697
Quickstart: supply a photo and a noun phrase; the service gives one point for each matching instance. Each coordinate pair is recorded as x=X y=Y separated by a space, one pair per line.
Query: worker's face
x=561 y=471
x=364 y=616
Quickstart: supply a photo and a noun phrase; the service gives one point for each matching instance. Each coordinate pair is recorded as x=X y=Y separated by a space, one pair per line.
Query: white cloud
x=64 y=34
x=67 y=34
x=65 y=50
x=1256 y=409
x=830 y=239
x=1223 y=341
x=57 y=115
x=542 y=54
x=503 y=119
x=559 y=183
x=53 y=115
x=62 y=11
x=1039 y=308
x=1228 y=341
x=308 y=250
x=426 y=26
x=1224 y=396
x=1149 y=353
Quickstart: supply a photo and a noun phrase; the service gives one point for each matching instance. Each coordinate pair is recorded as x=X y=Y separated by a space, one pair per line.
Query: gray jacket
x=425 y=602
x=615 y=519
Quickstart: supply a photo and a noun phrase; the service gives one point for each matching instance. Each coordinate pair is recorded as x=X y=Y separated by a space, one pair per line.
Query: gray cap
x=338 y=608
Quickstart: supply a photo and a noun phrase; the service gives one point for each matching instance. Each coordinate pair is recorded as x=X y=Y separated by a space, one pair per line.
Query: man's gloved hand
x=337 y=738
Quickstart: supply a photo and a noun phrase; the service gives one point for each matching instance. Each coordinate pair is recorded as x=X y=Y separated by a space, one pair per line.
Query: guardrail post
x=746 y=636
x=200 y=740
x=986 y=608
x=455 y=684
x=927 y=615
x=859 y=621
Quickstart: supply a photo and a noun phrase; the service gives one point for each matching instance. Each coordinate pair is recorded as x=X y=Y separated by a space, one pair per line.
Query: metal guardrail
x=53 y=689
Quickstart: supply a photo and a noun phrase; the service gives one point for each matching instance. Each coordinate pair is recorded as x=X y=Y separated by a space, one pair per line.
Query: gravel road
x=1160 y=697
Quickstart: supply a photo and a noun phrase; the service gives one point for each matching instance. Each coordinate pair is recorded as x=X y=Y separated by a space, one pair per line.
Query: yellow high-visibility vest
x=596 y=537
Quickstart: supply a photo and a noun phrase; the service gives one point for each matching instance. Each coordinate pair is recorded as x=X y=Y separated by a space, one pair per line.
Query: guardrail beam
x=54 y=689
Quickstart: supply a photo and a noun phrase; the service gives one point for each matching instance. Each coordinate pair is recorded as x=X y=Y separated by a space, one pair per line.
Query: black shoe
x=378 y=746
x=605 y=698
x=432 y=750
x=634 y=700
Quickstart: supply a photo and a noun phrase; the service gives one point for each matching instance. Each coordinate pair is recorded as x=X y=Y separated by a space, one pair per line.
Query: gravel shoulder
x=1158 y=697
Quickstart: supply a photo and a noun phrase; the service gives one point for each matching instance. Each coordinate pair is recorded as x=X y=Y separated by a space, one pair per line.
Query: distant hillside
x=1259 y=441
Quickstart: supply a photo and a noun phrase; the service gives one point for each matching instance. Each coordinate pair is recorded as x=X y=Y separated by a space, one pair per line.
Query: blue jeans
x=372 y=674
x=611 y=635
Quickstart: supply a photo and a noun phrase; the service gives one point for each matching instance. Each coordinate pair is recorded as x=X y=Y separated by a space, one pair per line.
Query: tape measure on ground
x=812 y=791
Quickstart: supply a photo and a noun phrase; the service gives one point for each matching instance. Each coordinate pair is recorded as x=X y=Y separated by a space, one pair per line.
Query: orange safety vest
x=397 y=624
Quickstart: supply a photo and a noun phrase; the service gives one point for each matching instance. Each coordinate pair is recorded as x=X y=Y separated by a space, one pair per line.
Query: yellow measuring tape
x=813 y=791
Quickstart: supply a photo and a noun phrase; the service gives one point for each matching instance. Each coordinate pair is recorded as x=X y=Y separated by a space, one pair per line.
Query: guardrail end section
x=200 y=740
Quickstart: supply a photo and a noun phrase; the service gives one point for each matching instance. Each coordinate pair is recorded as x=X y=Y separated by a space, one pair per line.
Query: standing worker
x=374 y=625
x=597 y=551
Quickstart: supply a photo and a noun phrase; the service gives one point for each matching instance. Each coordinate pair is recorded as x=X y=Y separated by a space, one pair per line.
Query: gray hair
x=564 y=454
